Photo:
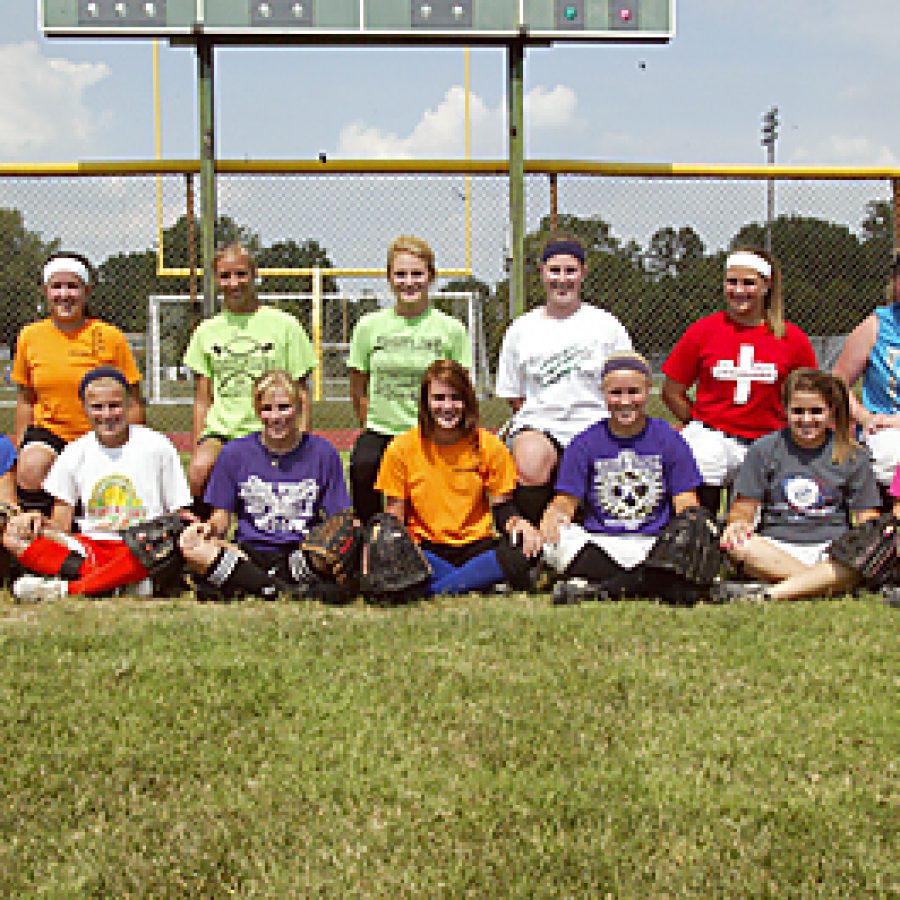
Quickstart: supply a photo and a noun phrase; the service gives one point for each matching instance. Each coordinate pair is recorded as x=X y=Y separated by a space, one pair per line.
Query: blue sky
x=829 y=66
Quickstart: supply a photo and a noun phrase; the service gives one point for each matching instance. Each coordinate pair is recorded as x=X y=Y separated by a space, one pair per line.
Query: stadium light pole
x=769 y=136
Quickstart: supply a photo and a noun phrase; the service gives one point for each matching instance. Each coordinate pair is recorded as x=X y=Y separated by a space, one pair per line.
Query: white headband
x=745 y=259
x=66 y=264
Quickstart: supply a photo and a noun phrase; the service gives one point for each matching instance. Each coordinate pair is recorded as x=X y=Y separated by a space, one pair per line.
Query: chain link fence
x=656 y=249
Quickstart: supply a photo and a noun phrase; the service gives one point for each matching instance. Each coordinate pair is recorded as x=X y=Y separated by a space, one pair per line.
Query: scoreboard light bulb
x=457 y=11
x=150 y=9
x=571 y=13
x=625 y=14
x=121 y=10
x=297 y=10
x=425 y=10
x=93 y=10
x=265 y=10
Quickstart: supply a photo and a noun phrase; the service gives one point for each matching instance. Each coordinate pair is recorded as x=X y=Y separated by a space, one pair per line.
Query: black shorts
x=36 y=435
x=212 y=436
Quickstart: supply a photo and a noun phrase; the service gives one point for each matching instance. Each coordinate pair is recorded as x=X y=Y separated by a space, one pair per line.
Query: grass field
x=477 y=747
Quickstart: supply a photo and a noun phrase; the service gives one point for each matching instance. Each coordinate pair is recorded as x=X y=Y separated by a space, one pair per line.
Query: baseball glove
x=689 y=546
x=871 y=550
x=7 y=511
x=155 y=543
x=394 y=569
x=333 y=549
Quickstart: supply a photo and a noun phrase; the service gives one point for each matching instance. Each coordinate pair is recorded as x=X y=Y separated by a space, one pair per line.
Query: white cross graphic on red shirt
x=745 y=372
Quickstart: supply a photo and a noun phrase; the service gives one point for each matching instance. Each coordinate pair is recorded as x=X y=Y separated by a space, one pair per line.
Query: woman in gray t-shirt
x=797 y=490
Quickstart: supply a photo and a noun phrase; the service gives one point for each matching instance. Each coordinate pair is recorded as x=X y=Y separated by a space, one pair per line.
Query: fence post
x=206 y=103
x=515 y=104
x=554 y=201
x=316 y=323
x=895 y=184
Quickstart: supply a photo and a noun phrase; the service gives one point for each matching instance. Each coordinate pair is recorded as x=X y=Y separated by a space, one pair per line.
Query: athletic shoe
x=576 y=590
x=734 y=591
x=891 y=595
x=34 y=588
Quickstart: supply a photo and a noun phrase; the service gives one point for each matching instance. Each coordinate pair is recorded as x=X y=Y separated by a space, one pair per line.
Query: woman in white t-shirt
x=549 y=371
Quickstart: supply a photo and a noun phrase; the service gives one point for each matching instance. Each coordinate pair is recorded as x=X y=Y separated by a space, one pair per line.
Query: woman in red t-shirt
x=738 y=359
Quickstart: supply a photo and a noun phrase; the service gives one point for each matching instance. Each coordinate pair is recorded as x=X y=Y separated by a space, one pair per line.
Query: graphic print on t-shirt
x=628 y=487
x=893 y=356
x=114 y=504
x=240 y=362
x=281 y=507
x=745 y=372
x=807 y=496
x=556 y=367
x=401 y=360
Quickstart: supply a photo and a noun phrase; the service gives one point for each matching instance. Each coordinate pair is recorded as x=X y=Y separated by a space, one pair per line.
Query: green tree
x=828 y=281
x=22 y=253
x=125 y=282
x=175 y=240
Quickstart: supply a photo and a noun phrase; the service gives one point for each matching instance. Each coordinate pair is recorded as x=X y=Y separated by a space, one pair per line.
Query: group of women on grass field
x=585 y=480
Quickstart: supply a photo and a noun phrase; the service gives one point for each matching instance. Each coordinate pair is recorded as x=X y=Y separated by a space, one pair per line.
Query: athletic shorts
x=808 y=554
x=43 y=437
x=212 y=436
x=625 y=550
x=718 y=455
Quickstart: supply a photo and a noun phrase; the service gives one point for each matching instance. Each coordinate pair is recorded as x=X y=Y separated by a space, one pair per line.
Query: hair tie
x=563 y=248
x=66 y=264
x=100 y=372
x=747 y=259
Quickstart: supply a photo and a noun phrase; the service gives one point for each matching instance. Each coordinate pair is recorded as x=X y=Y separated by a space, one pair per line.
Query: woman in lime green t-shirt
x=390 y=349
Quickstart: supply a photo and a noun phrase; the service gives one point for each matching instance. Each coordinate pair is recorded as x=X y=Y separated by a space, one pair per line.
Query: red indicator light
x=625 y=14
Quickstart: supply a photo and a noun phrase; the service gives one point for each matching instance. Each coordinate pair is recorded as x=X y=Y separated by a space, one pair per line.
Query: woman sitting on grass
x=627 y=474
x=451 y=483
x=276 y=483
x=802 y=484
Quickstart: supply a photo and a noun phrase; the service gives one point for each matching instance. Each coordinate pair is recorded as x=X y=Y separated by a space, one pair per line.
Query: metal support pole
x=554 y=201
x=206 y=89
x=770 y=200
x=190 y=210
x=895 y=189
x=515 y=106
x=769 y=136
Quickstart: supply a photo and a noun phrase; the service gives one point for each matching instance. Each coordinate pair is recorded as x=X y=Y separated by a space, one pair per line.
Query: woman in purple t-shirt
x=277 y=483
x=626 y=474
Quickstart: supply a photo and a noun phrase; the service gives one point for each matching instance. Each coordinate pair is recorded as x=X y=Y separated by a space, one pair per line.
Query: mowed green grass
x=474 y=747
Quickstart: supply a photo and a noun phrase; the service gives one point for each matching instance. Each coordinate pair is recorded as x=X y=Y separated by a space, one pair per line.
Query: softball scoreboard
x=365 y=21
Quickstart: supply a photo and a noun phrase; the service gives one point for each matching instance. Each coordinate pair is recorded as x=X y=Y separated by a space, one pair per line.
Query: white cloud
x=843 y=150
x=549 y=109
x=42 y=101
x=440 y=132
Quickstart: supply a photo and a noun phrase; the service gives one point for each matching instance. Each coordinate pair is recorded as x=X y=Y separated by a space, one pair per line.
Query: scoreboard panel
x=382 y=22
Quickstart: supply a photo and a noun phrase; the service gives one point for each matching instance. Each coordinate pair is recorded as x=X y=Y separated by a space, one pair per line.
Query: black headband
x=629 y=363
x=100 y=372
x=563 y=248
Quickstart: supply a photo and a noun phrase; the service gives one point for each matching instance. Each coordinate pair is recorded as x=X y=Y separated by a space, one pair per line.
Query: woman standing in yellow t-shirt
x=52 y=356
x=451 y=483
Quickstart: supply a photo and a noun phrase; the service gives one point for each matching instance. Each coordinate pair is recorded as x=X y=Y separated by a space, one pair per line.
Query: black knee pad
x=517 y=568
x=35 y=500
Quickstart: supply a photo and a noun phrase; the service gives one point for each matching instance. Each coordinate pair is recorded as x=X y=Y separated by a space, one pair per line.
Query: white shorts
x=808 y=554
x=627 y=550
x=718 y=456
x=884 y=448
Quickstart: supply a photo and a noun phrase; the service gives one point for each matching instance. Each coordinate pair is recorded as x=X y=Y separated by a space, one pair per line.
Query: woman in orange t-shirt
x=52 y=356
x=451 y=483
